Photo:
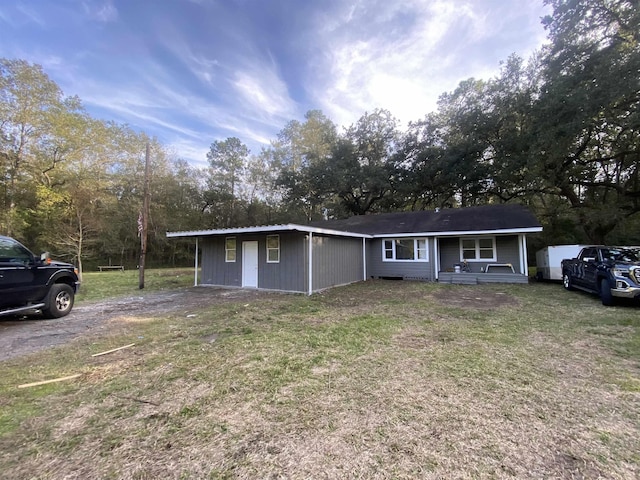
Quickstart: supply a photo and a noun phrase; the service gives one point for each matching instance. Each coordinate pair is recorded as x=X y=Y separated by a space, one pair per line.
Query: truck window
x=589 y=253
x=621 y=254
x=12 y=252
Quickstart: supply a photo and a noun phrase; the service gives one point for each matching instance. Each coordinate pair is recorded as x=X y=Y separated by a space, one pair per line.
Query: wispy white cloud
x=101 y=10
x=199 y=61
x=240 y=95
x=197 y=71
x=194 y=152
x=156 y=101
x=402 y=55
x=262 y=91
x=26 y=13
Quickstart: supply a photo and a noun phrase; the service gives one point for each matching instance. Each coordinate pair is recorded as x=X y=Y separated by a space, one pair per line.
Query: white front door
x=250 y=264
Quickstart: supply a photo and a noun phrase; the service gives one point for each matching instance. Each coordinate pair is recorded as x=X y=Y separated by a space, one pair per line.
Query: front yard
x=374 y=380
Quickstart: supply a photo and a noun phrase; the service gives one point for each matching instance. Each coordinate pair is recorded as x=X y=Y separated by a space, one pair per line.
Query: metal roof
x=487 y=219
x=266 y=229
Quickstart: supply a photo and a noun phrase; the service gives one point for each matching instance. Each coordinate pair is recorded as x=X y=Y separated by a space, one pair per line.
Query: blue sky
x=194 y=71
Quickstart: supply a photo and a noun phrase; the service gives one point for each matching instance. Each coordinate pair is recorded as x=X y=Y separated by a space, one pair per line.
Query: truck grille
x=634 y=274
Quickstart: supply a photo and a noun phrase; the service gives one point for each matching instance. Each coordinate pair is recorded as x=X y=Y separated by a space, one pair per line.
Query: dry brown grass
x=378 y=380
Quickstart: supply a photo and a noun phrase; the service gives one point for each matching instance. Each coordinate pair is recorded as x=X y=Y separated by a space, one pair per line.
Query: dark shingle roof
x=484 y=218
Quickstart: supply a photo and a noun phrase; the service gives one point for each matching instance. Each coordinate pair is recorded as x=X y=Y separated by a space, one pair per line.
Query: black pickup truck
x=609 y=272
x=29 y=283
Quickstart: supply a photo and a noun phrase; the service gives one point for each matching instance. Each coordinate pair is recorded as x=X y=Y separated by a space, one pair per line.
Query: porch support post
x=364 y=259
x=310 y=263
x=195 y=279
x=436 y=256
x=524 y=267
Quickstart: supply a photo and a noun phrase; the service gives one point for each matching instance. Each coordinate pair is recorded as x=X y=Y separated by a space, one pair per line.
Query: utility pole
x=143 y=220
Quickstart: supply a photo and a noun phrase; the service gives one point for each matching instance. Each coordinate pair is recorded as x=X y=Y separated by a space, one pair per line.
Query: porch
x=470 y=278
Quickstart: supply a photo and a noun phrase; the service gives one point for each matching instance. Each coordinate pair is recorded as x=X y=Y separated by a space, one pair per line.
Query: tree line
x=558 y=132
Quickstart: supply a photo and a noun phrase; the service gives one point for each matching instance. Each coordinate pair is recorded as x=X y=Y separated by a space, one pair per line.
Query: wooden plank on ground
x=53 y=380
x=113 y=350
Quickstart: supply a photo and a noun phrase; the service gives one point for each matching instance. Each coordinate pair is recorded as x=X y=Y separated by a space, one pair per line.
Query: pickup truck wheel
x=59 y=301
x=605 y=292
x=567 y=281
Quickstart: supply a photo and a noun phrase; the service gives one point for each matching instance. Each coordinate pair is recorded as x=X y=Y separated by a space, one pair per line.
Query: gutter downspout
x=195 y=279
x=310 y=264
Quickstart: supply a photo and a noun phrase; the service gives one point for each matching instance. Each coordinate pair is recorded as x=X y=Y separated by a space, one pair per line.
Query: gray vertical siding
x=215 y=271
x=506 y=248
x=336 y=261
x=289 y=274
x=410 y=270
x=509 y=252
x=449 y=253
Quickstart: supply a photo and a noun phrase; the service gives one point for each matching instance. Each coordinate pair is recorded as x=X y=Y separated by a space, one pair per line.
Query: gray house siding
x=215 y=271
x=289 y=274
x=336 y=261
x=378 y=268
x=338 y=249
x=507 y=251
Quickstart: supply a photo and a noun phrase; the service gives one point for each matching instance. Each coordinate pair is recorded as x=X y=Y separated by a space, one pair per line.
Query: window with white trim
x=230 y=249
x=405 y=250
x=480 y=249
x=273 y=248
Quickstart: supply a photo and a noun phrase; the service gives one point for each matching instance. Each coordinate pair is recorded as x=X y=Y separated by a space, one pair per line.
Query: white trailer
x=548 y=260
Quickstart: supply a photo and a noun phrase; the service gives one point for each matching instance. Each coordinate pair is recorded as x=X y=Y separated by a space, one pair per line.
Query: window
x=273 y=248
x=405 y=250
x=478 y=249
x=12 y=252
x=230 y=249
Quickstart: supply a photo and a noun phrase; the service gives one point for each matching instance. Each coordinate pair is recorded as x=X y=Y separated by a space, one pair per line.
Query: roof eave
x=499 y=231
x=265 y=229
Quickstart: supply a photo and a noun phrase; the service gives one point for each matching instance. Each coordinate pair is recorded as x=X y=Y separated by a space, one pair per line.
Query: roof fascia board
x=227 y=231
x=325 y=231
x=506 y=231
x=265 y=229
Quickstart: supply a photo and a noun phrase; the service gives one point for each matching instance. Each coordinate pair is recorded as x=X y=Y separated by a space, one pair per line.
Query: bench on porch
x=111 y=267
x=492 y=273
x=499 y=268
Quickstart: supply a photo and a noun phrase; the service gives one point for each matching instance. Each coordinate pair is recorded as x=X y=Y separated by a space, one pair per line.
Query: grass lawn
x=101 y=285
x=373 y=380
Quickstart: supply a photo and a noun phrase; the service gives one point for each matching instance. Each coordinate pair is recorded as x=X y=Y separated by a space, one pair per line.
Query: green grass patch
x=373 y=380
x=112 y=283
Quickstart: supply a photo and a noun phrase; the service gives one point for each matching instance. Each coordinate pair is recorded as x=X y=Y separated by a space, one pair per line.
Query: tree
x=227 y=162
x=358 y=173
x=447 y=157
x=299 y=147
x=588 y=116
x=422 y=179
x=30 y=105
x=508 y=131
x=75 y=221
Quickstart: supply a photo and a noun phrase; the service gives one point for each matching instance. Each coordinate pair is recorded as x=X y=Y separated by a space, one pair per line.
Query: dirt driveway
x=20 y=336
